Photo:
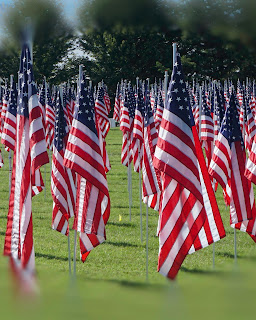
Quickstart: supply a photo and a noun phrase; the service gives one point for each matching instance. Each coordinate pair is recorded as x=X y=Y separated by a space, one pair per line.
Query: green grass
x=111 y=283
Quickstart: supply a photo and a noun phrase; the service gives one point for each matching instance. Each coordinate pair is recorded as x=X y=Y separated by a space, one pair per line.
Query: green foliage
x=43 y=21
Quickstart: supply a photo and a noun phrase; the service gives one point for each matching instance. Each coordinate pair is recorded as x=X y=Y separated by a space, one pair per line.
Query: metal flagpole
x=141 y=235
x=75 y=235
x=174 y=51
x=69 y=250
x=147 y=240
x=129 y=179
x=140 y=185
x=45 y=97
x=165 y=87
x=10 y=151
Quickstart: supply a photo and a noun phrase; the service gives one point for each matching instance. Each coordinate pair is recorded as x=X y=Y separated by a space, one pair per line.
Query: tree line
x=129 y=38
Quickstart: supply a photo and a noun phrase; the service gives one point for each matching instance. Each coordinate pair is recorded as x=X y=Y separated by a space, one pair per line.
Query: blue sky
x=69 y=7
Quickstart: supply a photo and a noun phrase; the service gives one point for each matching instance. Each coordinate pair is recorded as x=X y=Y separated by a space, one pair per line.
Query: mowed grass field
x=112 y=284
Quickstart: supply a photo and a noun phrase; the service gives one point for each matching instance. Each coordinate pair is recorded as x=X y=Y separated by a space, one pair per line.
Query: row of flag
x=74 y=126
x=164 y=135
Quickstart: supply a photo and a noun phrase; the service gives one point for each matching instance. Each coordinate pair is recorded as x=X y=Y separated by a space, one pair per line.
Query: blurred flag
x=29 y=155
x=83 y=155
x=189 y=215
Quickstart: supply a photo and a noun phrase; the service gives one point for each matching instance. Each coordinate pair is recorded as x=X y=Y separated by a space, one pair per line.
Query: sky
x=69 y=6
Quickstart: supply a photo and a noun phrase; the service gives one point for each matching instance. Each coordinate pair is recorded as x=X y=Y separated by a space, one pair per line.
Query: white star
x=89 y=118
x=181 y=107
x=178 y=98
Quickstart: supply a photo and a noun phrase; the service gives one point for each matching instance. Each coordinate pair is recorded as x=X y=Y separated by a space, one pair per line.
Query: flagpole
x=165 y=87
x=140 y=185
x=174 y=51
x=75 y=235
x=129 y=179
x=45 y=97
x=147 y=240
x=69 y=249
x=10 y=151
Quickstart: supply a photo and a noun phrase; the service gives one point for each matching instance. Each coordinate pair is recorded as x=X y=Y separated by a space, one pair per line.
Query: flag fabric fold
x=83 y=155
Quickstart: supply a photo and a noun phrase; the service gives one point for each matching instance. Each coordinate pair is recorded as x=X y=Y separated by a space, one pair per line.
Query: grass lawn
x=111 y=284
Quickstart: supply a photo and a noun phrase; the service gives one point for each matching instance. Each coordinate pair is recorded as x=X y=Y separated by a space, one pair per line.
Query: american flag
x=250 y=127
x=188 y=201
x=63 y=180
x=228 y=165
x=42 y=101
x=29 y=155
x=9 y=128
x=49 y=119
x=83 y=155
x=206 y=129
x=219 y=110
x=150 y=177
x=116 y=115
x=4 y=107
x=101 y=112
x=107 y=99
x=66 y=106
x=137 y=133
x=159 y=110
x=126 y=125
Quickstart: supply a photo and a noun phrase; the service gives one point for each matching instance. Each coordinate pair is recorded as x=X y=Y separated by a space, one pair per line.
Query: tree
x=52 y=36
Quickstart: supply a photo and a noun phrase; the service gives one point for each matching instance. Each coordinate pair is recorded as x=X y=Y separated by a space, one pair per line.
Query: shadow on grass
x=121 y=224
x=50 y=256
x=2 y=233
x=201 y=271
x=3 y=217
x=121 y=244
x=226 y=255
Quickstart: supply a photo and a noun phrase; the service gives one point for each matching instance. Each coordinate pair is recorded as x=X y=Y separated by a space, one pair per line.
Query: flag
x=9 y=127
x=4 y=107
x=228 y=166
x=151 y=178
x=49 y=119
x=116 y=115
x=101 y=112
x=126 y=125
x=106 y=99
x=159 y=111
x=29 y=155
x=189 y=218
x=83 y=155
x=63 y=180
x=206 y=129
x=137 y=132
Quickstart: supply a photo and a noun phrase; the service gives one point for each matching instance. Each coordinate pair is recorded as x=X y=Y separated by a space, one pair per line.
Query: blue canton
x=230 y=127
x=178 y=101
x=84 y=110
x=60 y=127
x=27 y=86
